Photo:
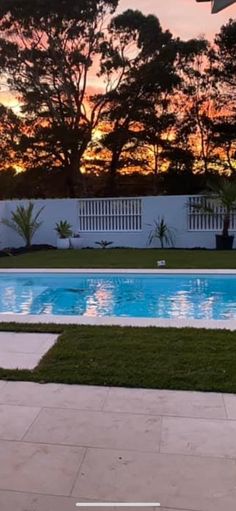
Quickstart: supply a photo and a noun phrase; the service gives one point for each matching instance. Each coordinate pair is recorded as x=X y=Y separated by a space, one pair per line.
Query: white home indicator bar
x=118 y=504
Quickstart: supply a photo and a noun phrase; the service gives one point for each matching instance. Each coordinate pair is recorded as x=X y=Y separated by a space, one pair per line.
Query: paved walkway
x=21 y=350
x=61 y=444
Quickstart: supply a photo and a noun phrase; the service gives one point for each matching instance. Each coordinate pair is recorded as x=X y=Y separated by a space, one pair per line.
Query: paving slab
x=22 y=342
x=166 y=402
x=2 y=383
x=60 y=444
x=128 y=508
x=230 y=405
x=176 y=481
x=19 y=360
x=53 y=395
x=24 y=350
x=16 y=420
x=17 y=501
x=39 y=468
x=97 y=429
x=201 y=437
x=123 y=508
x=14 y=501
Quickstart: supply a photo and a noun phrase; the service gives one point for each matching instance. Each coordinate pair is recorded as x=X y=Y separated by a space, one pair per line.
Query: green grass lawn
x=121 y=258
x=135 y=357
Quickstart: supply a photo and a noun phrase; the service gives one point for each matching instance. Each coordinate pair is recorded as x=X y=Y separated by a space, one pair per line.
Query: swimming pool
x=170 y=296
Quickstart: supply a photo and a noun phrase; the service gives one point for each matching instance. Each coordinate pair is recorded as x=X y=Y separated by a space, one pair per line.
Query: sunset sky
x=184 y=18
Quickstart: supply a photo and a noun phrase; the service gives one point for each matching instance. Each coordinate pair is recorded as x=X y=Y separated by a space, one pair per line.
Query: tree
x=165 y=125
x=224 y=72
x=155 y=136
x=141 y=112
x=225 y=54
x=196 y=103
x=148 y=74
x=47 y=50
x=224 y=132
x=10 y=132
x=7 y=184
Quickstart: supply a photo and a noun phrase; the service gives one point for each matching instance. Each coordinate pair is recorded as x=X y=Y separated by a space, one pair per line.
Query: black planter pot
x=224 y=242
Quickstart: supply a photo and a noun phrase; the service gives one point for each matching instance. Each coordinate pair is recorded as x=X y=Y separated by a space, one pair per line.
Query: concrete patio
x=61 y=444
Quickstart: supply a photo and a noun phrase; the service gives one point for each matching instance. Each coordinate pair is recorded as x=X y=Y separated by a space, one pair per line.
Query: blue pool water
x=130 y=295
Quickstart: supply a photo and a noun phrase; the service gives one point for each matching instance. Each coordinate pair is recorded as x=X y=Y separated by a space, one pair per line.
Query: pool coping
x=117 y=270
x=228 y=324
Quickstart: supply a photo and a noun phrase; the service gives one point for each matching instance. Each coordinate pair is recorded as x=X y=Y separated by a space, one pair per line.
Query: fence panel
x=98 y=215
x=212 y=220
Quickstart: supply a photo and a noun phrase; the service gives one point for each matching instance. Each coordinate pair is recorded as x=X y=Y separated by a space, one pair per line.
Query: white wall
x=3 y=230
x=172 y=208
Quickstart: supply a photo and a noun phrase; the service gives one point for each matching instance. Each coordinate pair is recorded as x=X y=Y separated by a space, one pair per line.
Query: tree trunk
x=111 y=188
x=228 y=148
x=156 y=174
x=73 y=178
x=225 y=232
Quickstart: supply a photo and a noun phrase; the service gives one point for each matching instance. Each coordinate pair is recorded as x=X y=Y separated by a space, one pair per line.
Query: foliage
x=43 y=183
x=180 y=179
x=103 y=243
x=25 y=222
x=47 y=51
x=162 y=103
x=10 y=132
x=221 y=192
x=63 y=229
x=226 y=54
x=225 y=195
x=223 y=65
x=161 y=232
x=151 y=75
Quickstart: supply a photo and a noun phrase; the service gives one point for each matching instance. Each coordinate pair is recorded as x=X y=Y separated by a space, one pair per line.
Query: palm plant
x=161 y=232
x=25 y=222
x=224 y=194
x=63 y=229
x=103 y=243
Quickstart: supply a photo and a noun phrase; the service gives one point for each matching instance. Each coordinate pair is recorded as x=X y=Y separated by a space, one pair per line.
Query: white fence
x=101 y=215
x=204 y=214
x=126 y=222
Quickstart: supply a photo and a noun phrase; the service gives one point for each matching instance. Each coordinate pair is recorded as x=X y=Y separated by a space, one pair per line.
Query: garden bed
x=24 y=250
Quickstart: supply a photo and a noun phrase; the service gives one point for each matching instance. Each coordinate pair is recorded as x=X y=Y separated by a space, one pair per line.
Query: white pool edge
x=116 y=270
x=119 y=321
x=115 y=321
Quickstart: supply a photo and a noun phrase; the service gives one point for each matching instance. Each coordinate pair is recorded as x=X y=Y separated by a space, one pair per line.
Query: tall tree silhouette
x=10 y=133
x=224 y=73
x=150 y=52
x=47 y=49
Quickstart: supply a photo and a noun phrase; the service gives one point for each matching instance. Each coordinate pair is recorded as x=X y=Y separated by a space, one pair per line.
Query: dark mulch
x=24 y=250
